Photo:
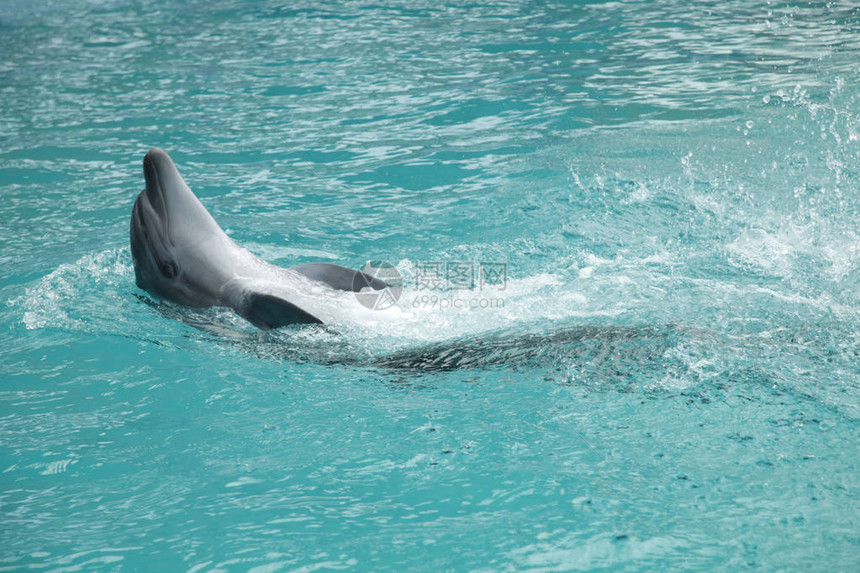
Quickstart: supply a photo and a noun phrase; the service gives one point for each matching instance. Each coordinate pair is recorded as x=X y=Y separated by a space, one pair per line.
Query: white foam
x=85 y=295
x=97 y=294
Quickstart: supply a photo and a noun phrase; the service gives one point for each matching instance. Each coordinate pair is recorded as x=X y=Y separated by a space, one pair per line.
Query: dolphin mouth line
x=151 y=238
x=149 y=242
x=155 y=192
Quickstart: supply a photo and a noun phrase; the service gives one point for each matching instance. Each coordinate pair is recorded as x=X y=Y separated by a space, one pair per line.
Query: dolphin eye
x=168 y=269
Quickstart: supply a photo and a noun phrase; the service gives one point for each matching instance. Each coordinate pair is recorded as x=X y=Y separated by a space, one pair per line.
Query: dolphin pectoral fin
x=340 y=278
x=267 y=311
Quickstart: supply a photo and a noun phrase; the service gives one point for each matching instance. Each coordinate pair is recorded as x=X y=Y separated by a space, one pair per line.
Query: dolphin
x=182 y=255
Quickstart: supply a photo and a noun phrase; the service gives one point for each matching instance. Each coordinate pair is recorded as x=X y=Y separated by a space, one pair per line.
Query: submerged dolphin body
x=182 y=255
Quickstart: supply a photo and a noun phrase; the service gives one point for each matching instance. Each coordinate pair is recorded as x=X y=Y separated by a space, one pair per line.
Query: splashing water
x=666 y=380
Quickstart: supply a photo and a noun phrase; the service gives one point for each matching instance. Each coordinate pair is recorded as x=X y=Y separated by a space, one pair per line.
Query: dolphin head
x=167 y=222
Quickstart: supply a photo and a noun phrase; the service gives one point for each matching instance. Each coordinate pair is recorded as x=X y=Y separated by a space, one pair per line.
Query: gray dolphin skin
x=181 y=254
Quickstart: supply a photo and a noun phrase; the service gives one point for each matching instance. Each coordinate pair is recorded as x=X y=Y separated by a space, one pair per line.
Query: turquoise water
x=672 y=379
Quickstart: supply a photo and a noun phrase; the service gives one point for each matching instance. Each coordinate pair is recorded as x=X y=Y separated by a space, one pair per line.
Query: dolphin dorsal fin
x=340 y=278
